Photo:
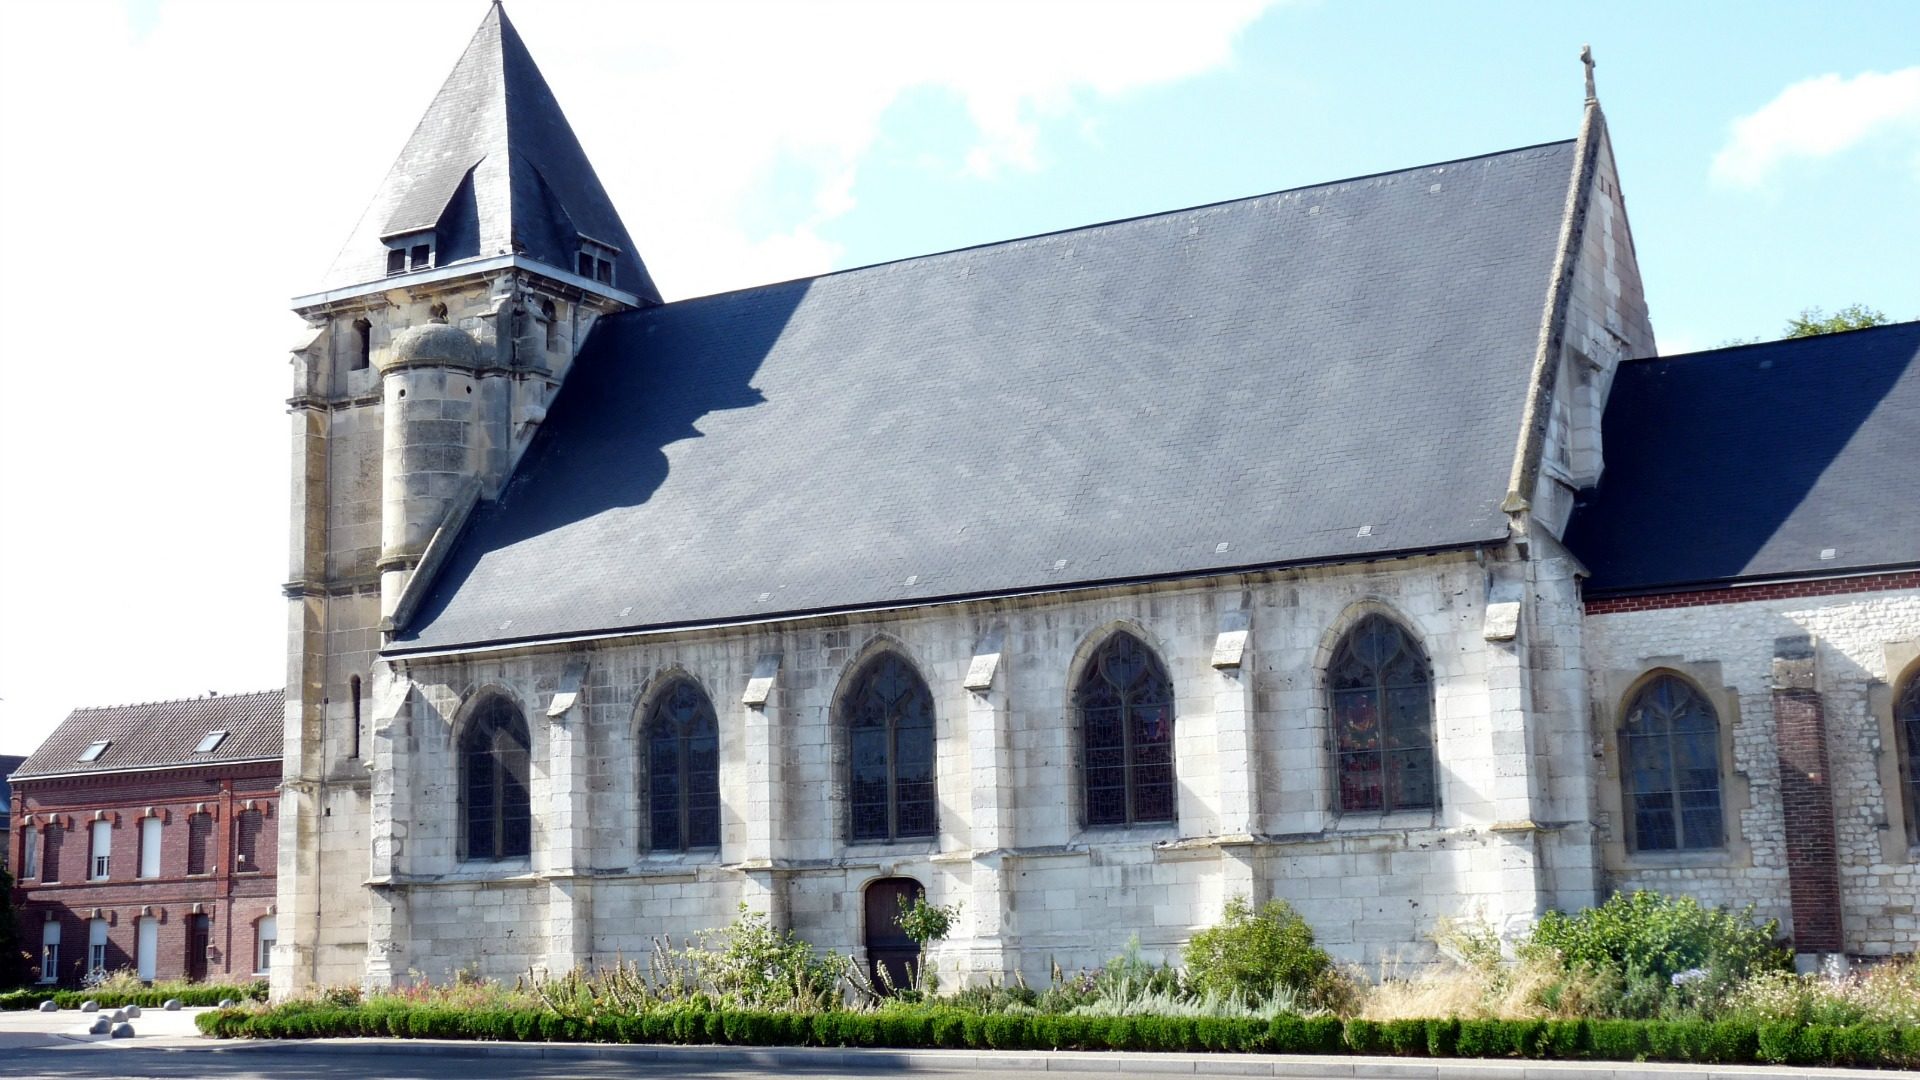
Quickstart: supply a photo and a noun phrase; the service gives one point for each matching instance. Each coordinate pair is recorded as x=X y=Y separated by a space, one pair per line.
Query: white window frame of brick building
x=96 y=946
x=101 y=851
x=30 y=853
x=150 y=847
x=266 y=932
x=50 y=952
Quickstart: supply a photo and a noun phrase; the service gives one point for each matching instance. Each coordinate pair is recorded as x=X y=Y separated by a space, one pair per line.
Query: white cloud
x=1818 y=118
x=177 y=169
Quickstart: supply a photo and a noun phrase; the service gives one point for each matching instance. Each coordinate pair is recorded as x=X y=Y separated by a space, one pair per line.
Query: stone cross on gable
x=1586 y=57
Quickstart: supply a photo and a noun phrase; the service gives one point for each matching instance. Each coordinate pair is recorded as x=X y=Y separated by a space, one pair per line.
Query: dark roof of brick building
x=160 y=734
x=495 y=168
x=1330 y=373
x=1791 y=458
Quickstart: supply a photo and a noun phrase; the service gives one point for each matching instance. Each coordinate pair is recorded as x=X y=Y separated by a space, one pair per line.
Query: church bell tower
x=433 y=347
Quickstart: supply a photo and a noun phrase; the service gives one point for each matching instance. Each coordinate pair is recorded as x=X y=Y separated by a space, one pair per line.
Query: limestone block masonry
x=1037 y=887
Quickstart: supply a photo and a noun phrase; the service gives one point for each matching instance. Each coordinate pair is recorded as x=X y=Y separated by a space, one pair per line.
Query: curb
x=1058 y=1061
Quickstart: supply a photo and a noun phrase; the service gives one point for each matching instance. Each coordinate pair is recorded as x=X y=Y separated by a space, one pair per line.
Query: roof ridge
x=1092 y=225
x=1697 y=353
x=212 y=696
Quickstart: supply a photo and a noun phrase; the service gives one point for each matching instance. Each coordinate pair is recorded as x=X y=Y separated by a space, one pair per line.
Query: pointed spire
x=493 y=168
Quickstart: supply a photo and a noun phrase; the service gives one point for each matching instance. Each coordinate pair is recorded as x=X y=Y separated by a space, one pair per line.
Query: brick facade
x=232 y=897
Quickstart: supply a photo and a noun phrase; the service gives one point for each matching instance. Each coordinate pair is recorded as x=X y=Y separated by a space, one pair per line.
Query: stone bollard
x=102 y=1026
x=49 y=1005
x=227 y=1003
x=171 y=1005
x=119 y=1016
x=133 y=1012
x=89 y=1006
x=123 y=1030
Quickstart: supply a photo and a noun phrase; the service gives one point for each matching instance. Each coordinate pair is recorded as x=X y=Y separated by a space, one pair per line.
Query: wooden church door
x=888 y=947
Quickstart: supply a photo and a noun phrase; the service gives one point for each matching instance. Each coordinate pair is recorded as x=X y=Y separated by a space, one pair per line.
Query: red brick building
x=144 y=838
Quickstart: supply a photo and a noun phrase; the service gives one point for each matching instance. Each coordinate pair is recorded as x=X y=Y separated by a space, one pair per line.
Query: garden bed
x=1724 y=1042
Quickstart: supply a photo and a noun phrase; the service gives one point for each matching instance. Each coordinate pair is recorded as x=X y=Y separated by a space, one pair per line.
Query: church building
x=1351 y=545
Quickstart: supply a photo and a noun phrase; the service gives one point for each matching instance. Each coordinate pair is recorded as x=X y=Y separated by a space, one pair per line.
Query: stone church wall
x=1255 y=801
x=1863 y=643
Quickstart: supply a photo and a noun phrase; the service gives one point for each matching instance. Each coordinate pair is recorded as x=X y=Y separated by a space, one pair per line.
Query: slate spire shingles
x=496 y=165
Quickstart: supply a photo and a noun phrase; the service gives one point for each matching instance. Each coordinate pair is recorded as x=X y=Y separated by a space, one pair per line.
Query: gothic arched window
x=1381 y=699
x=683 y=769
x=1906 y=720
x=1126 y=729
x=889 y=717
x=1670 y=747
x=494 y=763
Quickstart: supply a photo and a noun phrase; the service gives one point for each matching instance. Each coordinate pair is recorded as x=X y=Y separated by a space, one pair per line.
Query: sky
x=173 y=171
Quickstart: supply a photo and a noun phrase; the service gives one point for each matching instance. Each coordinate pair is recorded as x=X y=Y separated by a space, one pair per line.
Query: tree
x=13 y=962
x=1812 y=321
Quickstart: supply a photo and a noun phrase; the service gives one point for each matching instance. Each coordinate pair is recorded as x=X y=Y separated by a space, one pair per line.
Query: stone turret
x=429 y=451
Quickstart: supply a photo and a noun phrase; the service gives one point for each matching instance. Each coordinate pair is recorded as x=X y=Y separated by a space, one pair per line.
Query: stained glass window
x=1670 y=748
x=1906 y=717
x=1381 y=698
x=494 y=755
x=683 y=769
x=1126 y=724
x=889 y=718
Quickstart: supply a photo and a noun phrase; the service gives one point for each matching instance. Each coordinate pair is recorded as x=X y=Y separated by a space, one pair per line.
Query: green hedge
x=146 y=999
x=1724 y=1042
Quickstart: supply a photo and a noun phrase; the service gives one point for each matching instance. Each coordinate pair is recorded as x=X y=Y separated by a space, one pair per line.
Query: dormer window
x=409 y=252
x=596 y=260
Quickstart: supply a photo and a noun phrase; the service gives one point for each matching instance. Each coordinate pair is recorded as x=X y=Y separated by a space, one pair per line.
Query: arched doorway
x=888 y=947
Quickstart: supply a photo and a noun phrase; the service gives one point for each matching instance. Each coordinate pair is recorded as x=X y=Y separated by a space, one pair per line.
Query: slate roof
x=1329 y=373
x=161 y=733
x=1748 y=462
x=495 y=164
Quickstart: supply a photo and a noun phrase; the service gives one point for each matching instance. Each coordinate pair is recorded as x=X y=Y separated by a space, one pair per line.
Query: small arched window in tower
x=1670 y=746
x=683 y=770
x=353 y=691
x=890 y=781
x=495 y=758
x=552 y=318
x=362 y=344
x=1906 y=720
x=1380 y=696
x=1126 y=729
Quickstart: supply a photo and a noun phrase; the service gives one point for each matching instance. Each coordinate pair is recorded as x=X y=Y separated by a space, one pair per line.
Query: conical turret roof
x=494 y=169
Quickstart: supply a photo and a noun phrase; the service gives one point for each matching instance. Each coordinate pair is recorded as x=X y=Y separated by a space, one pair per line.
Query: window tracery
x=683 y=769
x=1670 y=754
x=1125 y=702
x=890 y=734
x=1381 y=702
x=495 y=761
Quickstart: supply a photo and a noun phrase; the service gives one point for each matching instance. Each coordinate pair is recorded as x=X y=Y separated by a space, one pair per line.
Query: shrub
x=1252 y=954
x=1671 y=955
